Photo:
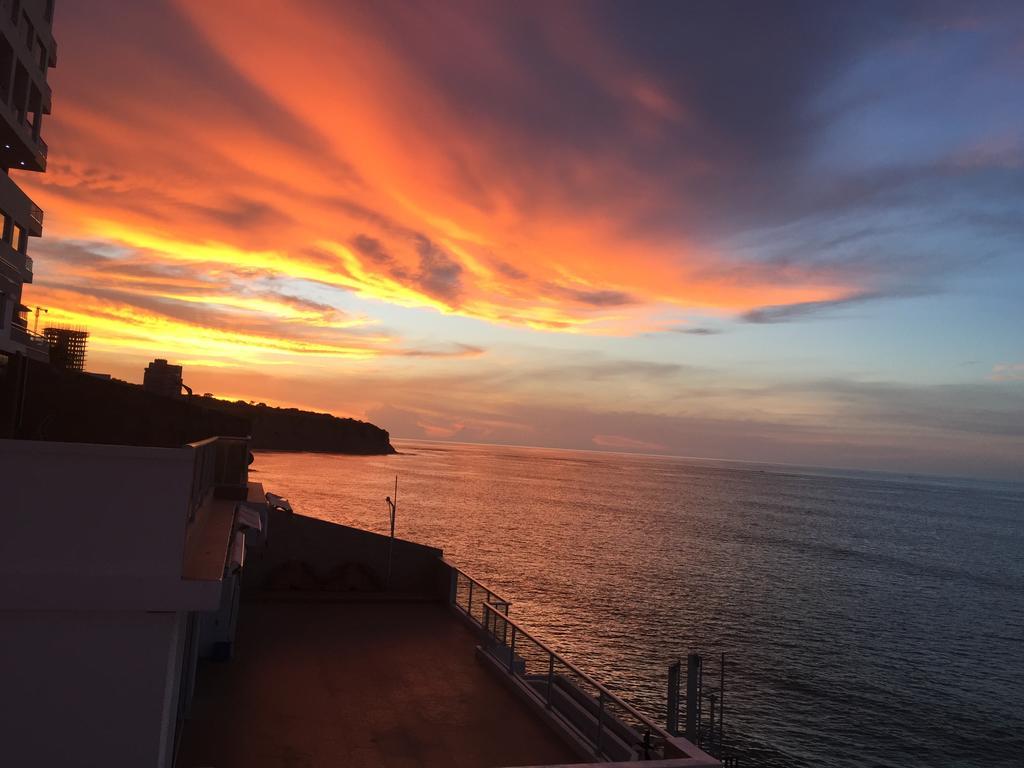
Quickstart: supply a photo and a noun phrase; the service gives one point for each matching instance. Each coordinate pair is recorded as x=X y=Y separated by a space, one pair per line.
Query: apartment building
x=27 y=51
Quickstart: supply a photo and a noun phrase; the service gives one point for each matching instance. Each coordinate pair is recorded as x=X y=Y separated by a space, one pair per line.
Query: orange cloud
x=285 y=146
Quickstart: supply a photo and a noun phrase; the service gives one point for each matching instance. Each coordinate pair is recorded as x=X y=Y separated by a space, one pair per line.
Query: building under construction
x=67 y=347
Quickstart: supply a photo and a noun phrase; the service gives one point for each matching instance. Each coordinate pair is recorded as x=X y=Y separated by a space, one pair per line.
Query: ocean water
x=868 y=620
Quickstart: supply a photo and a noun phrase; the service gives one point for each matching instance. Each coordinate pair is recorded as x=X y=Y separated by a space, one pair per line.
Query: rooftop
x=318 y=681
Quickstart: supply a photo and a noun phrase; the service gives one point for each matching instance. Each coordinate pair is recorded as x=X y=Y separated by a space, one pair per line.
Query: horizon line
x=903 y=475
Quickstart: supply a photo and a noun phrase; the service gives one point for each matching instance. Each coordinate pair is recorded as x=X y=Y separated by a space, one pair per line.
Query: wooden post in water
x=721 y=700
x=693 y=698
x=672 y=714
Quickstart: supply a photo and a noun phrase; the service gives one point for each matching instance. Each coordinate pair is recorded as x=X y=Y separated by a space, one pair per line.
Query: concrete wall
x=94 y=613
x=336 y=557
x=93 y=526
x=89 y=688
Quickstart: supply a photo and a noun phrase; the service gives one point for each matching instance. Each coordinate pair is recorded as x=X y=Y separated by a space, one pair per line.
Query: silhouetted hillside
x=43 y=403
x=289 y=429
x=66 y=406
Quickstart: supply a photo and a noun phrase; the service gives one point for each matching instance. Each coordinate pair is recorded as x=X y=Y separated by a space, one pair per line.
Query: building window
x=20 y=94
x=18 y=239
x=8 y=228
x=6 y=70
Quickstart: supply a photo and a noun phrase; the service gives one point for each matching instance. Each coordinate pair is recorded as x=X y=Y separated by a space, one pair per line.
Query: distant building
x=67 y=347
x=162 y=378
x=27 y=51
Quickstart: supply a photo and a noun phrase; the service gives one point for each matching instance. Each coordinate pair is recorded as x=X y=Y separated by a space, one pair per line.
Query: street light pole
x=392 y=508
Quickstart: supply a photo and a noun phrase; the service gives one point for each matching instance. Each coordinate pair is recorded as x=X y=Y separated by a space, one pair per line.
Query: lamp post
x=392 y=507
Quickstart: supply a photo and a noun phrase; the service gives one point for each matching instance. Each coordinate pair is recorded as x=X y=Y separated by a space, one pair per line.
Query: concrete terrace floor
x=349 y=684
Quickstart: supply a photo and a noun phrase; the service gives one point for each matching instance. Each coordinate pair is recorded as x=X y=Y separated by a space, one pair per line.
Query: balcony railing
x=35 y=213
x=470 y=596
x=612 y=729
x=28 y=264
x=22 y=335
x=220 y=466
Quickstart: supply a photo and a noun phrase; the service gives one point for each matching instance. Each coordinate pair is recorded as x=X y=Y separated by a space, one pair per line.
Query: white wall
x=89 y=688
x=93 y=607
x=95 y=526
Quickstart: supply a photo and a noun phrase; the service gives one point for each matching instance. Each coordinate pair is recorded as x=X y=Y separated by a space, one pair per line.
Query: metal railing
x=36 y=214
x=470 y=596
x=220 y=465
x=610 y=727
x=23 y=335
x=702 y=710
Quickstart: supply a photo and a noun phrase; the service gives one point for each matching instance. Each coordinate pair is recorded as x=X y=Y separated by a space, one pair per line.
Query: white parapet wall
x=89 y=688
x=97 y=627
x=97 y=526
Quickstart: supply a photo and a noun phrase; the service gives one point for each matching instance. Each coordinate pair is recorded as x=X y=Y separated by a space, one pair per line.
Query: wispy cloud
x=962 y=429
x=1008 y=372
x=620 y=442
x=698 y=331
x=785 y=313
x=592 y=211
x=216 y=315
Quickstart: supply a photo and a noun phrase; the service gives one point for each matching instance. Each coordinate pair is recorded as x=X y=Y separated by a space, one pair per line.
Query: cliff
x=38 y=402
x=289 y=429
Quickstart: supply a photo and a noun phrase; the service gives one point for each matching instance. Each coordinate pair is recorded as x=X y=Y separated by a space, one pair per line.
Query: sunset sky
x=762 y=231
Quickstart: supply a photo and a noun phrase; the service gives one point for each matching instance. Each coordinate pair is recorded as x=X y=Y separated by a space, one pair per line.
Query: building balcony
x=19 y=206
x=21 y=148
x=15 y=268
x=27 y=50
x=35 y=346
x=14 y=265
x=10 y=267
x=35 y=215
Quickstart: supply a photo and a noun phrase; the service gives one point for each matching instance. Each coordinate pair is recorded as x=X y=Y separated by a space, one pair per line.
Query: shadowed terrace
x=325 y=683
